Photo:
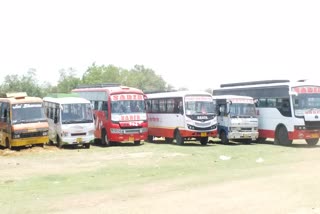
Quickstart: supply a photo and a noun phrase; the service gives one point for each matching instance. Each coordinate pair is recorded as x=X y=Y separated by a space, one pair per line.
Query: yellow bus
x=22 y=121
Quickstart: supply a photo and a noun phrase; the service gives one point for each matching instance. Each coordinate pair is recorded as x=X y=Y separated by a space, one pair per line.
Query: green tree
x=67 y=81
x=102 y=74
x=23 y=83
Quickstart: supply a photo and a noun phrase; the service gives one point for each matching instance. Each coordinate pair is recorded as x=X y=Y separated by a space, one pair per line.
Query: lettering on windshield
x=27 y=105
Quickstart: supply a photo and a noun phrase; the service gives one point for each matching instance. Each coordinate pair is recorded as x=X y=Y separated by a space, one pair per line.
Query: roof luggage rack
x=99 y=85
x=253 y=83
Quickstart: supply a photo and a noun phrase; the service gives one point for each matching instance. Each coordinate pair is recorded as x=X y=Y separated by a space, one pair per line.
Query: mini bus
x=70 y=121
x=287 y=110
x=181 y=115
x=237 y=118
x=22 y=121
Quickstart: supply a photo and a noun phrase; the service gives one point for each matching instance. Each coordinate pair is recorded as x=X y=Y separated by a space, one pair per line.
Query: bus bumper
x=77 y=140
x=29 y=141
x=243 y=135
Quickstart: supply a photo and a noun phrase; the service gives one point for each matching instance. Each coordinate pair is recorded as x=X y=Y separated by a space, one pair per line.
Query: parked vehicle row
x=107 y=113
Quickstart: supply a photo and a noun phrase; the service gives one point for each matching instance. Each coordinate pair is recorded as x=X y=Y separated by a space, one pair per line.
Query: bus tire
x=168 y=140
x=104 y=138
x=261 y=140
x=204 y=141
x=179 y=138
x=8 y=144
x=87 y=145
x=137 y=142
x=223 y=137
x=58 y=142
x=312 y=141
x=150 y=138
x=282 y=137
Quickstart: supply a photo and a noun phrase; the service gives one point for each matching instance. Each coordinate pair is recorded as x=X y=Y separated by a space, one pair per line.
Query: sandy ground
x=295 y=191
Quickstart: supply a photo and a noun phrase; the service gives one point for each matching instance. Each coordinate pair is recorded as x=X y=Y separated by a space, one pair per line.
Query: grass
x=122 y=169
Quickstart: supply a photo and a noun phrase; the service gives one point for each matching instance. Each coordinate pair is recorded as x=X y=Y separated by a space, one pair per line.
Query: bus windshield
x=242 y=110
x=128 y=106
x=199 y=105
x=304 y=102
x=28 y=113
x=76 y=113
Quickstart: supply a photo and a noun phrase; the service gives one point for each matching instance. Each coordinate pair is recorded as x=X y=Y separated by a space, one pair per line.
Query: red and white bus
x=120 y=113
x=181 y=115
x=286 y=110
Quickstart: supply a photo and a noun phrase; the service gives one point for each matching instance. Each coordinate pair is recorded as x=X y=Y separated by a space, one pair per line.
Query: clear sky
x=195 y=44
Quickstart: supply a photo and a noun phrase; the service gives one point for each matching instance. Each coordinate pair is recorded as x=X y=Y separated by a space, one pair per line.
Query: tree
x=25 y=83
x=67 y=81
x=102 y=74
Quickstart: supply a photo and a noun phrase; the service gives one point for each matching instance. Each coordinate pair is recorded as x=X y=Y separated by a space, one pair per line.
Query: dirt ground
x=295 y=192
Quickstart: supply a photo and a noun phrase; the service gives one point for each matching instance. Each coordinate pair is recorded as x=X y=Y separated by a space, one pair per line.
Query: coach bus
x=180 y=116
x=22 y=121
x=237 y=118
x=70 y=121
x=287 y=110
x=119 y=111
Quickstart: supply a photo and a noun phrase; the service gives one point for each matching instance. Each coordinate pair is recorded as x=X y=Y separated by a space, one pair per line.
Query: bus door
x=5 y=128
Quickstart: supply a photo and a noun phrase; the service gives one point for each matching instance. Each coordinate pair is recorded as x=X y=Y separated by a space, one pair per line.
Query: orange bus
x=22 y=121
x=119 y=111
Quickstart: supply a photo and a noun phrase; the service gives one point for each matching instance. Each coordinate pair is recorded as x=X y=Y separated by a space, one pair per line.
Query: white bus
x=70 y=121
x=182 y=115
x=237 y=118
x=286 y=110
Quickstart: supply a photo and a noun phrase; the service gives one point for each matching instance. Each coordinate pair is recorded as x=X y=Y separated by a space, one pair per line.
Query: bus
x=70 y=121
x=237 y=118
x=22 y=121
x=180 y=116
x=287 y=110
x=119 y=111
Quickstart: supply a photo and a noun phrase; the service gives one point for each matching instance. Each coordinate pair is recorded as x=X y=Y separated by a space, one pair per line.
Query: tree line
x=139 y=77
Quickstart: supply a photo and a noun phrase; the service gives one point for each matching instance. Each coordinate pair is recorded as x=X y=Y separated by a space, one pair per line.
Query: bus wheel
x=312 y=142
x=87 y=145
x=150 y=138
x=168 y=140
x=204 y=140
x=282 y=137
x=59 y=142
x=104 y=138
x=179 y=138
x=223 y=137
x=8 y=144
x=136 y=142
x=261 y=140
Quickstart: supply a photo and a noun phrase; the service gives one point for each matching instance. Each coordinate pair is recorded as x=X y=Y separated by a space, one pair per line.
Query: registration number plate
x=131 y=138
x=79 y=140
x=314 y=135
x=203 y=134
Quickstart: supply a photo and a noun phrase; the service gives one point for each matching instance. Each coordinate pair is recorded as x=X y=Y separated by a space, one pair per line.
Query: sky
x=197 y=44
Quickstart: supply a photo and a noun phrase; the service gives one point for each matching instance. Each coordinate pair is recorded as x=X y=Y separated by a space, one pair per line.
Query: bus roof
x=66 y=100
x=19 y=100
x=176 y=94
x=112 y=89
x=268 y=83
x=231 y=97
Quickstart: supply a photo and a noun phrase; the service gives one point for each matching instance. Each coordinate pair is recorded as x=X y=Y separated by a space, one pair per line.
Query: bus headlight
x=116 y=131
x=91 y=132
x=300 y=127
x=64 y=134
x=16 y=135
